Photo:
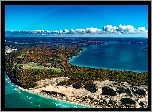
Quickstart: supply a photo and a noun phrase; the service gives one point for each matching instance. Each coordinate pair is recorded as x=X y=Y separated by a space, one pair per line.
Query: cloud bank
x=106 y=30
x=124 y=29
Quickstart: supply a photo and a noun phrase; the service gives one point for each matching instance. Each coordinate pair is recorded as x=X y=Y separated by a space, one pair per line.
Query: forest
x=58 y=58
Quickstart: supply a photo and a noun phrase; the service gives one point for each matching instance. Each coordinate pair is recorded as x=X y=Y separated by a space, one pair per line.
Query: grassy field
x=33 y=65
x=20 y=57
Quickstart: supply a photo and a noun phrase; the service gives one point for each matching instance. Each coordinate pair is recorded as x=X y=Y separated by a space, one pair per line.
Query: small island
x=44 y=69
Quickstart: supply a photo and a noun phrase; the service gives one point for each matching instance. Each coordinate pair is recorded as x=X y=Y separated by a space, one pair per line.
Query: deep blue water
x=114 y=55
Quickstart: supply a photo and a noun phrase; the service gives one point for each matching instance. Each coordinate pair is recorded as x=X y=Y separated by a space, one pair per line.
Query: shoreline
x=87 y=66
x=46 y=96
x=77 y=94
x=68 y=98
x=54 y=98
x=80 y=93
x=78 y=54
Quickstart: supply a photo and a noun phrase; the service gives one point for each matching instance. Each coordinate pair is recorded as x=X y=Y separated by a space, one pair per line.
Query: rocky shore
x=109 y=94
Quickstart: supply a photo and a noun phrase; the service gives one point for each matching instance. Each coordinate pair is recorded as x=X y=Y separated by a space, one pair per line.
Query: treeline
x=79 y=76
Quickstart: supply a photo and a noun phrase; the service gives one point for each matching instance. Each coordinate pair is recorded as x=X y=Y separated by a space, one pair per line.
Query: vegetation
x=30 y=64
x=91 y=87
x=123 y=90
x=141 y=104
x=62 y=83
x=140 y=92
x=77 y=85
x=108 y=91
x=127 y=101
x=52 y=93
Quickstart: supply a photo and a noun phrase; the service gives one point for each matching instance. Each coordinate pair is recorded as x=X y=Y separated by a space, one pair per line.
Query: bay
x=114 y=55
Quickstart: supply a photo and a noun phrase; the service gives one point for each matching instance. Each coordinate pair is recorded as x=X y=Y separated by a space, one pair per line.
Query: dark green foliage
x=84 y=75
x=141 y=104
x=140 y=92
x=61 y=83
x=127 y=101
x=90 y=98
x=128 y=92
x=77 y=85
x=108 y=91
x=120 y=90
x=91 y=87
x=52 y=93
x=123 y=90
x=65 y=82
x=112 y=102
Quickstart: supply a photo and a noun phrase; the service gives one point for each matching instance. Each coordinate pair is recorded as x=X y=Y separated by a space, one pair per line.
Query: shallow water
x=17 y=98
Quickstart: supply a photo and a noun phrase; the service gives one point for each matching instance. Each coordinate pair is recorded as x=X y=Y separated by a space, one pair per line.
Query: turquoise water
x=17 y=98
x=114 y=55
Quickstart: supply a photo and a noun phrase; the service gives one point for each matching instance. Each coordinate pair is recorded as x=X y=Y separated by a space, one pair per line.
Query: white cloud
x=80 y=30
x=61 y=31
x=65 y=30
x=127 y=28
x=72 y=31
x=123 y=29
x=141 y=29
x=92 y=30
x=110 y=28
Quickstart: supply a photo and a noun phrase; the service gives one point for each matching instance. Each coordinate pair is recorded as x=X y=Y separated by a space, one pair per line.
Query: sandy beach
x=83 y=96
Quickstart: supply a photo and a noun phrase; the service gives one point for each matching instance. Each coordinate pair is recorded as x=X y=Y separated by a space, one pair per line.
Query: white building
x=9 y=50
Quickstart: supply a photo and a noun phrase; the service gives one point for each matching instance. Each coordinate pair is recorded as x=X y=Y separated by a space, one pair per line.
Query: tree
x=91 y=87
x=77 y=85
x=127 y=101
x=108 y=91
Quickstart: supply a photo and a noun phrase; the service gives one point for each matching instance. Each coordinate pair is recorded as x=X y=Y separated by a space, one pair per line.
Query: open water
x=114 y=55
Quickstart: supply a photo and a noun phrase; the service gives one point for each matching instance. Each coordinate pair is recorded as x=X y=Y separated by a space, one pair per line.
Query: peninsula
x=44 y=69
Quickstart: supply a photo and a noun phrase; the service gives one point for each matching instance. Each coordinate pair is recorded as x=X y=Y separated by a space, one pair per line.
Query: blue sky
x=59 y=17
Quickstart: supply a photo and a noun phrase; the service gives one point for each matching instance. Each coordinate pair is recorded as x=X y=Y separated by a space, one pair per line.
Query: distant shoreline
x=69 y=36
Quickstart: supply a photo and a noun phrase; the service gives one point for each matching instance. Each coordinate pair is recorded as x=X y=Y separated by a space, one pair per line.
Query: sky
x=59 y=17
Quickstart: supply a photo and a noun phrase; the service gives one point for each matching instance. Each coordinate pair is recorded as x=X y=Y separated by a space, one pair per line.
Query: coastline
x=71 y=60
x=47 y=96
x=87 y=104
x=37 y=92
x=73 y=99
x=59 y=89
x=78 y=54
x=54 y=98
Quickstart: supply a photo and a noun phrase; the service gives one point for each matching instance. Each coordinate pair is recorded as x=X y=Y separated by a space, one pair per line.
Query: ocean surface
x=112 y=55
